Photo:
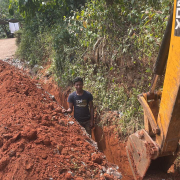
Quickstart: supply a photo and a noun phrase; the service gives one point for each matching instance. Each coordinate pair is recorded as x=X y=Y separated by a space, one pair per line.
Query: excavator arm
x=159 y=140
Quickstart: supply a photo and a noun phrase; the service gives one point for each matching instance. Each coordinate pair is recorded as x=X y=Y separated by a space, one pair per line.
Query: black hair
x=77 y=79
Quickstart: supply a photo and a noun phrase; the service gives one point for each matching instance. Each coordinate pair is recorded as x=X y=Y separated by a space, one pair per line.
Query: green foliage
x=29 y=8
x=108 y=95
x=35 y=48
x=131 y=31
x=64 y=47
x=135 y=27
x=5 y=14
x=18 y=35
x=44 y=28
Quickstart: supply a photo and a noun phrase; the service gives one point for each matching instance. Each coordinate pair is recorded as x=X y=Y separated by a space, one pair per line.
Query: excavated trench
x=108 y=142
x=115 y=149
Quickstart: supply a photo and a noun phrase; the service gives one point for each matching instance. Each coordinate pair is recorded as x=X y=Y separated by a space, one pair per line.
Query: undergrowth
x=112 y=46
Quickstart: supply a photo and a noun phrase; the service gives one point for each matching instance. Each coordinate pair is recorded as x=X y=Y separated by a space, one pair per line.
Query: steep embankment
x=37 y=141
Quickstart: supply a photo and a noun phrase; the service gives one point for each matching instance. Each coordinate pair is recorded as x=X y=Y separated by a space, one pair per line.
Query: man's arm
x=69 y=110
x=92 y=114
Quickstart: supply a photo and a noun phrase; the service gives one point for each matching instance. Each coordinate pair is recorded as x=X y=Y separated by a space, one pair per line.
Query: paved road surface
x=7 y=48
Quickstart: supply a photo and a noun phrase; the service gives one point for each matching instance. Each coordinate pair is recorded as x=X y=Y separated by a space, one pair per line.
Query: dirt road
x=7 y=48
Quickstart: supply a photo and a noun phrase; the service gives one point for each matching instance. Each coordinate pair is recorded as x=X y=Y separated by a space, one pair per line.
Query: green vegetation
x=5 y=15
x=111 y=44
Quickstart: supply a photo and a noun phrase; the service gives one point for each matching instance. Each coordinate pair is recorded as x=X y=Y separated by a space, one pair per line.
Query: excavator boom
x=159 y=140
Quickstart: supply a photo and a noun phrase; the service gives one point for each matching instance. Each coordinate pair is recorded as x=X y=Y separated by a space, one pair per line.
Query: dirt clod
x=30 y=134
x=3 y=163
x=47 y=141
x=12 y=153
x=97 y=158
x=1 y=141
x=108 y=177
x=68 y=176
x=28 y=165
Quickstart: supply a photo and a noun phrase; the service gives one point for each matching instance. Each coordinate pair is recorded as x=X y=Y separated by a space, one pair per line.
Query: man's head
x=78 y=84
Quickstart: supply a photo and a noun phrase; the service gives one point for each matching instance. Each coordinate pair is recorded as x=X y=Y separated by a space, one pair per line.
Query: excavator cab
x=159 y=140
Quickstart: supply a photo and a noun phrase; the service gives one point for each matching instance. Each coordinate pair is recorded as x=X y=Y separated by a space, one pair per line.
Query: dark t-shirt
x=81 y=105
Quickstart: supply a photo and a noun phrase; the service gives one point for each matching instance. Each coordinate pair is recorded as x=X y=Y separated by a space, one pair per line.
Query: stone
x=29 y=166
x=68 y=176
x=30 y=134
x=12 y=153
x=47 y=141
x=60 y=147
x=97 y=158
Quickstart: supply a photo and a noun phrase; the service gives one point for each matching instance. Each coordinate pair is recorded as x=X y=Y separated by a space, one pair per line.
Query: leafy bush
x=105 y=43
x=35 y=48
x=18 y=35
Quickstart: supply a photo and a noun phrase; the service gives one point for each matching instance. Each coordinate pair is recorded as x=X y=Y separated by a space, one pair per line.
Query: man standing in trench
x=82 y=101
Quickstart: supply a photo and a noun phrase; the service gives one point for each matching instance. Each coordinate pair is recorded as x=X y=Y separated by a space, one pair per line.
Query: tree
x=29 y=8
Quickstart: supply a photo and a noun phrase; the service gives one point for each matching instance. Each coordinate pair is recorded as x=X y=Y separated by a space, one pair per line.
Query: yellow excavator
x=158 y=142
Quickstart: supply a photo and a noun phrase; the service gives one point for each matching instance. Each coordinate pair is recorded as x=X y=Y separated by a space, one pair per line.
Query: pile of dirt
x=37 y=141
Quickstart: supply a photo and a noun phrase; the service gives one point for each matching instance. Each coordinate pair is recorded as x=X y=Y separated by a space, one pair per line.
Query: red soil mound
x=37 y=141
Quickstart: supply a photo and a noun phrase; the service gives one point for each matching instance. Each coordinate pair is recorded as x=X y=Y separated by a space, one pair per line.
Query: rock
x=47 y=141
x=62 y=123
x=114 y=172
x=108 y=177
x=54 y=118
x=117 y=175
x=71 y=122
x=29 y=165
x=68 y=176
x=64 y=151
x=58 y=110
x=103 y=169
x=12 y=153
x=60 y=147
x=30 y=134
x=97 y=158
x=44 y=156
x=21 y=147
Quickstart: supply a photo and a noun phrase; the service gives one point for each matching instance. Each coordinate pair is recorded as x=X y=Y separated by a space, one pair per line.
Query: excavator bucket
x=141 y=149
